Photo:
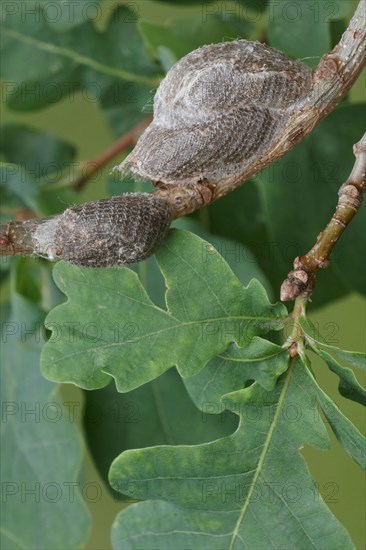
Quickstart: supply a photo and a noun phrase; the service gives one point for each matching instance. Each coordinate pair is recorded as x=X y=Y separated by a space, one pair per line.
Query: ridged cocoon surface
x=217 y=109
x=112 y=232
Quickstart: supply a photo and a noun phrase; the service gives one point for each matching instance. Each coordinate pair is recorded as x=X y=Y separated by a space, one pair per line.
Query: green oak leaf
x=349 y=386
x=240 y=259
x=249 y=490
x=157 y=413
x=124 y=44
x=160 y=411
x=260 y=360
x=110 y=327
x=354 y=358
x=347 y=434
x=41 y=449
x=40 y=93
x=260 y=4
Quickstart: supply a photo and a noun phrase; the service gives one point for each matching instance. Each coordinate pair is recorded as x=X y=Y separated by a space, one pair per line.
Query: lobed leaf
x=354 y=358
x=260 y=360
x=251 y=489
x=347 y=434
x=110 y=327
x=349 y=386
x=160 y=411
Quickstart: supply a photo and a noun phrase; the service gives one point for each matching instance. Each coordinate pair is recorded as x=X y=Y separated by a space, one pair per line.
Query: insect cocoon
x=217 y=110
x=106 y=233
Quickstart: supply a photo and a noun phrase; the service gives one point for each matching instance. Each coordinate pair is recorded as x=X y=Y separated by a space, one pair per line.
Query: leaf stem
x=295 y=343
x=301 y=280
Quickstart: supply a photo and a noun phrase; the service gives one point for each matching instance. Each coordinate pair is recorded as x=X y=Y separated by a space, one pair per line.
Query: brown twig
x=301 y=280
x=332 y=79
x=92 y=166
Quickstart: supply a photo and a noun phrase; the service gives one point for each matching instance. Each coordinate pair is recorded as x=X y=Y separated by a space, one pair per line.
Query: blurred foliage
x=36 y=431
x=114 y=54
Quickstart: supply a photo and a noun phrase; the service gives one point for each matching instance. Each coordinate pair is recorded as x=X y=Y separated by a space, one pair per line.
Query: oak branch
x=329 y=83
